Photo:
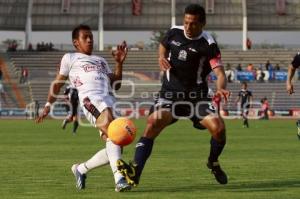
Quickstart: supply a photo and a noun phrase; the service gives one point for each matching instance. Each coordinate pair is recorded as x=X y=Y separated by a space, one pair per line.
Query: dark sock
x=75 y=126
x=142 y=152
x=216 y=149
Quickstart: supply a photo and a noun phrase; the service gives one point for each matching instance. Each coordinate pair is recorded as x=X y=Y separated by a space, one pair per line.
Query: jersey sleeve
x=165 y=40
x=214 y=56
x=64 y=68
x=296 y=61
x=239 y=94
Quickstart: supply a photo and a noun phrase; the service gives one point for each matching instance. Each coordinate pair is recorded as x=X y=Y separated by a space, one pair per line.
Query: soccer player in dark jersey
x=72 y=107
x=245 y=97
x=187 y=54
x=289 y=85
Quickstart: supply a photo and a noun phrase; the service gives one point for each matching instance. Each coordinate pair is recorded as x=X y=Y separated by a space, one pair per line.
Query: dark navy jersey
x=245 y=96
x=191 y=59
x=296 y=61
x=72 y=94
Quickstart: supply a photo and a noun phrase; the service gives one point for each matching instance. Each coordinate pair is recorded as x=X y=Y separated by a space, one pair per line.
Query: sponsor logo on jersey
x=193 y=50
x=89 y=68
x=176 y=43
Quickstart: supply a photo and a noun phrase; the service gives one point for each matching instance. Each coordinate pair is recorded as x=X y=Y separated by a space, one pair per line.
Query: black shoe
x=219 y=174
x=128 y=171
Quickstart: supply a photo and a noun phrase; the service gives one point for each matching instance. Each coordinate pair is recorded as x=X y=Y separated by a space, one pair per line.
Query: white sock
x=114 y=153
x=99 y=159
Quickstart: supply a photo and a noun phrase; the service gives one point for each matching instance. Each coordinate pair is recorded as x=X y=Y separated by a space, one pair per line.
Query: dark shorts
x=194 y=110
x=245 y=110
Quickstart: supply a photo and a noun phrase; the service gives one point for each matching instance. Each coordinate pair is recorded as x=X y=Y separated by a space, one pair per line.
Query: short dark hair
x=76 y=30
x=196 y=9
x=244 y=83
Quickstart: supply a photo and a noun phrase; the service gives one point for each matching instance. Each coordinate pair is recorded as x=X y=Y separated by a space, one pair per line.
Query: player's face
x=192 y=25
x=84 y=43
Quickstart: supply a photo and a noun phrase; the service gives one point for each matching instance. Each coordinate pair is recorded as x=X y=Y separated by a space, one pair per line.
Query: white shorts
x=100 y=104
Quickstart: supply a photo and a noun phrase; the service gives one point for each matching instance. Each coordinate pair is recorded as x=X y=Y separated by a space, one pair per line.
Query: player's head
x=82 y=38
x=244 y=85
x=194 y=20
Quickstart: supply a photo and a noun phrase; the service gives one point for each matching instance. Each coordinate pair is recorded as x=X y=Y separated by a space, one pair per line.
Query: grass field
x=261 y=162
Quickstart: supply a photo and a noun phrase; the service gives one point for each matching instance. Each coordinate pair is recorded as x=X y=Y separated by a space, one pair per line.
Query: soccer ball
x=121 y=131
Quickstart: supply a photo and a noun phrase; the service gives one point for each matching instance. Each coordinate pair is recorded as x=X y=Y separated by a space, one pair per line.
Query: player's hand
x=223 y=94
x=120 y=53
x=290 y=88
x=41 y=117
x=164 y=64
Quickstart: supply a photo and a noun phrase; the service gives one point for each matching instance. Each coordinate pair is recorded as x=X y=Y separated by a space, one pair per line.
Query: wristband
x=48 y=104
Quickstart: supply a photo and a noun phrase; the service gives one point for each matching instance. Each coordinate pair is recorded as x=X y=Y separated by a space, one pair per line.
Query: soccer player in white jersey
x=94 y=81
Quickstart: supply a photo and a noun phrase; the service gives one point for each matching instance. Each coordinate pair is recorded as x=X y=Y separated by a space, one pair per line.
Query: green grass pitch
x=261 y=162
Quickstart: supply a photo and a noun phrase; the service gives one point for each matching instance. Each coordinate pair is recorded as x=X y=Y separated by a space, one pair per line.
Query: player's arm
x=238 y=98
x=290 y=75
x=221 y=83
x=119 y=55
x=251 y=100
x=52 y=95
x=163 y=54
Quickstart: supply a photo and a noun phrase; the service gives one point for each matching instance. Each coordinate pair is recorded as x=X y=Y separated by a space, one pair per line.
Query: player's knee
x=153 y=128
x=219 y=133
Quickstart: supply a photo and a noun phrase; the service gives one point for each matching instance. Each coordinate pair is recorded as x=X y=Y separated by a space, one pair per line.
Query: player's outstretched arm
x=221 y=83
x=289 y=84
x=119 y=55
x=52 y=95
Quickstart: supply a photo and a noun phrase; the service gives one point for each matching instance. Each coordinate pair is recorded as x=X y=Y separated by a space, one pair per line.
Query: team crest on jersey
x=182 y=55
x=77 y=82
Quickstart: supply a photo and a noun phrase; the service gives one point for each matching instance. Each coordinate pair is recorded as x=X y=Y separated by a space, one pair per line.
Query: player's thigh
x=215 y=125
x=105 y=118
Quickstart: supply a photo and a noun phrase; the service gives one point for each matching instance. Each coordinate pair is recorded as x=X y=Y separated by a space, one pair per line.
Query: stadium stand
x=155 y=15
x=141 y=68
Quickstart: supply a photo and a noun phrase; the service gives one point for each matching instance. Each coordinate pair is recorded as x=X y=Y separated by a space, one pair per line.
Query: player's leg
x=74 y=117
x=156 y=122
x=216 y=127
x=80 y=170
x=68 y=118
x=245 y=118
x=113 y=151
x=99 y=109
x=298 y=128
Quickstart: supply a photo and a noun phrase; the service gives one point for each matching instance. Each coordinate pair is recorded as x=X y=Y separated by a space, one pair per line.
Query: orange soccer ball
x=122 y=131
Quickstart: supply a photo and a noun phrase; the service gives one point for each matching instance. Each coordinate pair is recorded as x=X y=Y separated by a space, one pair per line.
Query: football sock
x=246 y=122
x=99 y=159
x=114 y=153
x=75 y=126
x=216 y=149
x=143 y=150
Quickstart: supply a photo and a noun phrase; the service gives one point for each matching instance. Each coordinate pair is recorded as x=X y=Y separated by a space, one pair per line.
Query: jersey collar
x=193 y=38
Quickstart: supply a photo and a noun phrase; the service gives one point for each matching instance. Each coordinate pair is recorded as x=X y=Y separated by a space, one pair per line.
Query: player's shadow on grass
x=268 y=185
